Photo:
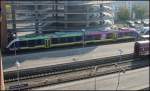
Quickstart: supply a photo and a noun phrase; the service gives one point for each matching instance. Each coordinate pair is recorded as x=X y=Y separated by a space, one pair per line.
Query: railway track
x=60 y=68
x=82 y=73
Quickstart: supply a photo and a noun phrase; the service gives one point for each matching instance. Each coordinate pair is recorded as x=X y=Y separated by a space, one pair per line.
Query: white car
x=146 y=22
x=144 y=31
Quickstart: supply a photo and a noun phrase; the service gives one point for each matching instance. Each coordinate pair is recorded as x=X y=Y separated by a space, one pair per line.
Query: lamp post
x=120 y=68
x=120 y=53
x=83 y=37
x=18 y=65
x=95 y=70
x=14 y=36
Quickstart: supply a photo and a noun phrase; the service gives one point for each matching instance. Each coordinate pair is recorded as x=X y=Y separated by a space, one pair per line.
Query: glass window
x=55 y=40
x=60 y=7
x=61 y=1
x=23 y=43
x=78 y=38
x=60 y=14
x=31 y=43
x=70 y=39
x=96 y=37
x=89 y=37
x=63 y=40
x=109 y=35
x=120 y=34
x=39 y=42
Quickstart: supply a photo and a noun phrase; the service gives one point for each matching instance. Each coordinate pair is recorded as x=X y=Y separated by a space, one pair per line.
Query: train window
x=15 y=44
x=127 y=34
x=23 y=43
x=31 y=43
x=12 y=46
x=78 y=38
x=120 y=34
x=55 y=40
x=96 y=37
x=39 y=42
x=60 y=7
x=89 y=37
x=109 y=36
x=70 y=39
x=63 y=40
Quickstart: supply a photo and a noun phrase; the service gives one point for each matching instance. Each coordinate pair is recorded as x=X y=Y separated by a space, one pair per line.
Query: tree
x=140 y=11
x=123 y=14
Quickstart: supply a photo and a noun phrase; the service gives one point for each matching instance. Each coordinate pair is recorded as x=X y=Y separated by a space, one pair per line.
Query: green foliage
x=123 y=14
x=140 y=11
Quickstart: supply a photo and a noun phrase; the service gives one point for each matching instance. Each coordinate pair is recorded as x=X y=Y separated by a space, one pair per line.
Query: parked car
x=131 y=24
x=144 y=31
x=145 y=22
x=138 y=22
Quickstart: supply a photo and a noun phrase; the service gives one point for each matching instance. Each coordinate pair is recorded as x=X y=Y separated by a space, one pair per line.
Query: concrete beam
x=3 y=27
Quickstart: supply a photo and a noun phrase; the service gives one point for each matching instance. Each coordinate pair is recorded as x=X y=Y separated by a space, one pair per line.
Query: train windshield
x=26 y=43
x=15 y=45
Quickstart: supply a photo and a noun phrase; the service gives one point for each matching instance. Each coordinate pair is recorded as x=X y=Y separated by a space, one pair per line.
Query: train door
x=103 y=36
x=47 y=43
x=114 y=35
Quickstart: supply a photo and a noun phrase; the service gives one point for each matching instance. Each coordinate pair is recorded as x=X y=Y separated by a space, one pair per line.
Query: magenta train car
x=99 y=35
x=128 y=32
x=124 y=32
x=141 y=48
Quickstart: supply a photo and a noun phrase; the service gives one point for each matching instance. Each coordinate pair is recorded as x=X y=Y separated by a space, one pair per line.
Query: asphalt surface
x=65 y=56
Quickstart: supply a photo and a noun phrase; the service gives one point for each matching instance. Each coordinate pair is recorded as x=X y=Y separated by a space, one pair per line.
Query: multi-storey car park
x=57 y=15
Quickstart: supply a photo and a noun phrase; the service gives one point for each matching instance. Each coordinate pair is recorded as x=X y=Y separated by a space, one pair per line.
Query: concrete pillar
x=87 y=17
x=13 y=17
x=3 y=27
x=2 y=86
x=66 y=15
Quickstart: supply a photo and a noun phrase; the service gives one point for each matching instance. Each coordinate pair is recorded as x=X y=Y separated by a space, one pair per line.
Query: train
x=141 y=48
x=32 y=41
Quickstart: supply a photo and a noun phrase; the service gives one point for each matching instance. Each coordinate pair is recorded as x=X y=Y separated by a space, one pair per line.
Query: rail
x=60 y=68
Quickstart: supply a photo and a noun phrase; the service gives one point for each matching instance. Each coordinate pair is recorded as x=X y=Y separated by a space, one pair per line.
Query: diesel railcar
x=141 y=48
x=67 y=38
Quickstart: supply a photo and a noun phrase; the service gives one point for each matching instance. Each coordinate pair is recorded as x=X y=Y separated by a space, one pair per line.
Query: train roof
x=46 y=36
x=63 y=34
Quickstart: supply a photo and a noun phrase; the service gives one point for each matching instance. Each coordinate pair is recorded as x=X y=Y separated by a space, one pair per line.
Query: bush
x=123 y=14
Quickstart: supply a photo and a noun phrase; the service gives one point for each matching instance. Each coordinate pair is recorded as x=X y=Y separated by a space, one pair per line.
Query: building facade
x=57 y=15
